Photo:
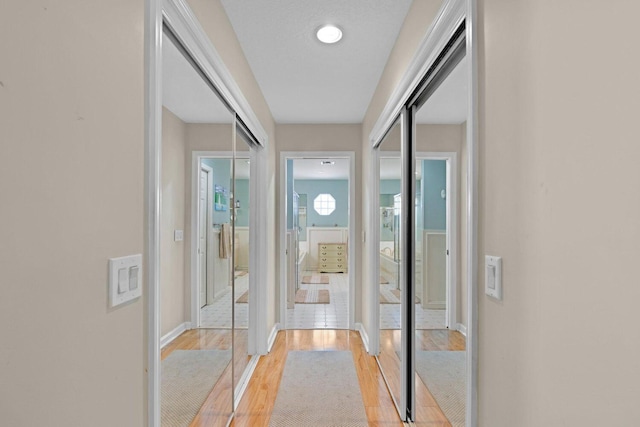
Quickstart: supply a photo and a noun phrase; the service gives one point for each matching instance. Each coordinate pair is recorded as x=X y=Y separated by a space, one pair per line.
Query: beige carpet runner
x=317 y=279
x=244 y=298
x=444 y=374
x=319 y=388
x=392 y=297
x=312 y=296
x=188 y=376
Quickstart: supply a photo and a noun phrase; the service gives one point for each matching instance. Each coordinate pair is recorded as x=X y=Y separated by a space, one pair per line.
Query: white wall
x=172 y=304
x=71 y=191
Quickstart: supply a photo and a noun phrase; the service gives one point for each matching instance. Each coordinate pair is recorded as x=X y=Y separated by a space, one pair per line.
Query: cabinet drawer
x=333 y=253
x=329 y=246
x=333 y=260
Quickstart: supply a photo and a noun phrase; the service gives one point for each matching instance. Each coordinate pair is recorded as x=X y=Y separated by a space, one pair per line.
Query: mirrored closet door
x=439 y=137
x=391 y=288
x=422 y=161
x=206 y=242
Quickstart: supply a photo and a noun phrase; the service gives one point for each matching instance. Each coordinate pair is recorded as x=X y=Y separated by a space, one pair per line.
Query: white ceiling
x=303 y=80
x=313 y=169
x=185 y=93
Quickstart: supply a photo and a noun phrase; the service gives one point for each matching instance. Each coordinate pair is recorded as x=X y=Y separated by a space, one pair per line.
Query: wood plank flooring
x=258 y=401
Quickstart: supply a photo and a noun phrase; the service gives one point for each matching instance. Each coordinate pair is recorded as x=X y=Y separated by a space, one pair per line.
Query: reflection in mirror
x=391 y=237
x=241 y=244
x=440 y=356
x=196 y=373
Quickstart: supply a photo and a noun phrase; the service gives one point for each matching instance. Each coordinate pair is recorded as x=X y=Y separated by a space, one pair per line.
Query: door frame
x=196 y=158
x=284 y=155
x=209 y=171
x=451 y=157
x=452 y=232
x=179 y=17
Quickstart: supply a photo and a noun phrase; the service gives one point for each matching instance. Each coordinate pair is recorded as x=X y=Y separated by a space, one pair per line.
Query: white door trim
x=209 y=171
x=178 y=15
x=284 y=155
x=448 y=19
x=451 y=158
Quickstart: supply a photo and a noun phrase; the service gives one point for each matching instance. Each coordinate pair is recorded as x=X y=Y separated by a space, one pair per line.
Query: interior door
x=202 y=234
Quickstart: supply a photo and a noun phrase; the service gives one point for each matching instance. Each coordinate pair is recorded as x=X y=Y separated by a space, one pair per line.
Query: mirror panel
x=439 y=263
x=390 y=355
x=196 y=366
x=241 y=245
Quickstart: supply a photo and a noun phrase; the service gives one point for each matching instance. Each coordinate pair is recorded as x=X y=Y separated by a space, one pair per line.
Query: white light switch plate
x=125 y=278
x=493 y=276
x=178 y=235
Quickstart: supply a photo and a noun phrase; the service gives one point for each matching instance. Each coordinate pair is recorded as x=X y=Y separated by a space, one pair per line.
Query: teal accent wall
x=338 y=188
x=389 y=186
x=221 y=176
x=434 y=180
x=242 y=194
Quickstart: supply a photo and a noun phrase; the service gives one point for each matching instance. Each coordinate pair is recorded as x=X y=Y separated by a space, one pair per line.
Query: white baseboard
x=244 y=380
x=175 y=333
x=272 y=337
x=462 y=329
x=363 y=335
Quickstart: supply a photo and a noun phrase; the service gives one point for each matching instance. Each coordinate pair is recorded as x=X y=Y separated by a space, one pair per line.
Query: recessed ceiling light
x=329 y=34
x=327 y=162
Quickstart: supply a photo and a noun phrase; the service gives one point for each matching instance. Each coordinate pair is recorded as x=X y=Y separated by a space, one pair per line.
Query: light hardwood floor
x=258 y=401
x=257 y=404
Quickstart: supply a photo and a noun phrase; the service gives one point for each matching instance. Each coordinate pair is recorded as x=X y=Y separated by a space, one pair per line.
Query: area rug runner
x=188 y=376
x=312 y=296
x=444 y=374
x=319 y=388
x=240 y=273
x=392 y=297
x=244 y=298
x=317 y=279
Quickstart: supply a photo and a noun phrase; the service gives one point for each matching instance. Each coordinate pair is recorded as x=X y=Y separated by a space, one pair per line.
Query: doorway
x=317 y=259
x=435 y=236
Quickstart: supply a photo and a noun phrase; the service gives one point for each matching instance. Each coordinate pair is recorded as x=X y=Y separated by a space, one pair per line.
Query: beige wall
x=559 y=100
x=71 y=190
x=320 y=137
x=172 y=294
